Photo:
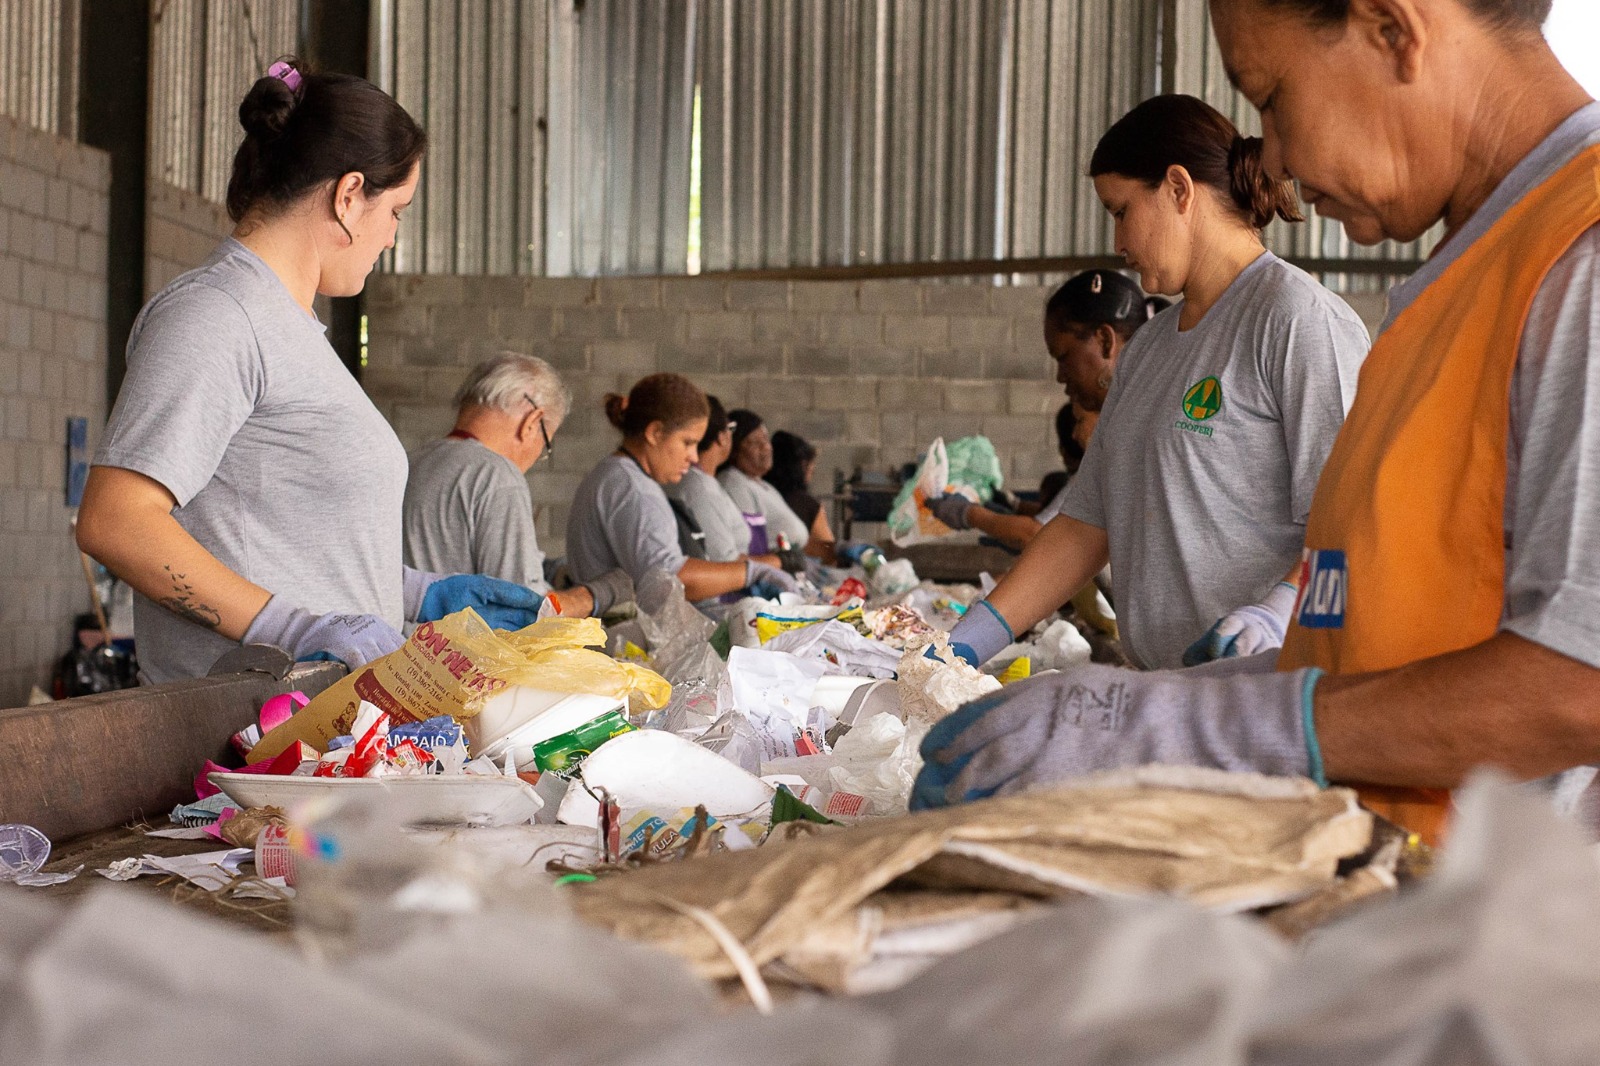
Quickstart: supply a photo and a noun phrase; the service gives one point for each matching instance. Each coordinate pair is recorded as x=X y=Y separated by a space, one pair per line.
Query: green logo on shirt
x=1203 y=400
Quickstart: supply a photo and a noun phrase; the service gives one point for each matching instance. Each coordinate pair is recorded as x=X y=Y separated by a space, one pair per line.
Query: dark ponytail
x=1175 y=130
x=311 y=129
x=671 y=399
x=1261 y=196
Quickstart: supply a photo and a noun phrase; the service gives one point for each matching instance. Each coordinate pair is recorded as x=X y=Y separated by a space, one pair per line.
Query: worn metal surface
x=559 y=132
x=39 y=63
x=832 y=132
x=204 y=56
x=82 y=765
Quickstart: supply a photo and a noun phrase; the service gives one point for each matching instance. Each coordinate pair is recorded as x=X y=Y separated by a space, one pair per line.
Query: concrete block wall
x=181 y=229
x=53 y=211
x=870 y=372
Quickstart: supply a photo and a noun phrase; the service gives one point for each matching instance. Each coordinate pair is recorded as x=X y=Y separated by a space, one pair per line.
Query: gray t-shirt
x=756 y=496
x=727 y=533
x=281 y=466
x=1553 y=461
x=468 y=511
x=1208 y=450
x=620 y=518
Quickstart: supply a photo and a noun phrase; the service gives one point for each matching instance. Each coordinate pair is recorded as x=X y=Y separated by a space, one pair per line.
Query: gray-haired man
x=467 y=505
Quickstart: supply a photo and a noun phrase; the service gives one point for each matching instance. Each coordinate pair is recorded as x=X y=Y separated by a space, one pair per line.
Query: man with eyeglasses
x=467 y=505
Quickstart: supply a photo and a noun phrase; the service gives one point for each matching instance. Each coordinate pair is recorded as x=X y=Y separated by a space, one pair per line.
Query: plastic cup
x=23 y=850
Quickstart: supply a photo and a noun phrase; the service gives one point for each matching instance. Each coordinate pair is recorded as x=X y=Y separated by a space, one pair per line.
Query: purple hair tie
x=286 y=74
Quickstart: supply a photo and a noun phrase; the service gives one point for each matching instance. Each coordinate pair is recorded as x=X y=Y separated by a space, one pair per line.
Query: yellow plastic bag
x=451 y=666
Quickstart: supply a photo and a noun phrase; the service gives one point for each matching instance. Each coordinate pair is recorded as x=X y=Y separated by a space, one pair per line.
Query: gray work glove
x=981 y=634
x=757 y=574
x=609 y=590
x=353 y=639
x=1247 y=630
x=793 y=560
x=1096 y=718
x=951 y=509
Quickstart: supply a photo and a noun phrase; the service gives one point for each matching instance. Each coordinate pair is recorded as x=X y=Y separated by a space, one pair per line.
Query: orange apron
x=1405 y=545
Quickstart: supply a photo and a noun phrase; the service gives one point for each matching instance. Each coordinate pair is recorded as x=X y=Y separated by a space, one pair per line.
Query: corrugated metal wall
x=1074 y=68
x=1200 y=72
x=559 y=132
x=204 y=56
x=873 y=131
x=39 y=63
x=832 y=132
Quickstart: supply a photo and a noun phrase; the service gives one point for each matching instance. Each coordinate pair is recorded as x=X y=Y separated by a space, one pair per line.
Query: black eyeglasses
x=549 y=449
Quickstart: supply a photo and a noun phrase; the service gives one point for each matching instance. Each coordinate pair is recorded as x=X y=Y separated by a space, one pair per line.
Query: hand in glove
x=1094 y=718
x=757 y=573
x=853 y=553
x=981 y=634
x=1247 y=631
x=429 y=597
x=951 y=509
x=353 y=639
x=609 y=590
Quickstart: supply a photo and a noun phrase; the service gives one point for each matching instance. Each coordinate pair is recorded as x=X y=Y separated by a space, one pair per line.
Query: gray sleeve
x=506 y=544
x=739 y=493
x=1084 y=498
x=194 y=377
x=723 y=542
x=1553 y=567
x=640 y=526
x=1311 y=363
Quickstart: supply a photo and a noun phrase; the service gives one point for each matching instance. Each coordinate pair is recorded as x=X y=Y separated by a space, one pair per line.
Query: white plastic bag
x=911 y=522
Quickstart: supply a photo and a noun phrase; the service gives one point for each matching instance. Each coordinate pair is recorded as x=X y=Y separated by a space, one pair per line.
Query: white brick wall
x=53 y=208
x=180 y=231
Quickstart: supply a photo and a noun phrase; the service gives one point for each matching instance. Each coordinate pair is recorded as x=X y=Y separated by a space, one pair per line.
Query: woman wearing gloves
x=1448 y=617
x=1087 y=323
x=246 y=487
x=621 y=517
x=1199 y=477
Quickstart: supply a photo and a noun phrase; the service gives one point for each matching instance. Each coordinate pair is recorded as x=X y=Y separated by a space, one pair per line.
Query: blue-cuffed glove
x=1097 y=718
x=502 y=604
x=767 y=581
x=951 y=509
x=981 y=634
x=1247 y=631
x=353 y=639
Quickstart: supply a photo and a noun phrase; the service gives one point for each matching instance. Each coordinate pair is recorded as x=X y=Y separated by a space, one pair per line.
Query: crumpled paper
x=841 y=647
x=931 y=689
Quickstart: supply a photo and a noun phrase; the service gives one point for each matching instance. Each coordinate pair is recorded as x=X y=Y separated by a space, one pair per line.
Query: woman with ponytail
x=621 y=518
x=245 y=486
x=1199 y=478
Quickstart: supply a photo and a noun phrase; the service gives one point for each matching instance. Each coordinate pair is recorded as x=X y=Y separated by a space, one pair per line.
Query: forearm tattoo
x=185 y=604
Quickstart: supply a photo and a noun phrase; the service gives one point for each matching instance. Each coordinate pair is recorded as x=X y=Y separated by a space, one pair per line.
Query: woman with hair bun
x=245 y=486
x=621 y=517
x=1199 y=478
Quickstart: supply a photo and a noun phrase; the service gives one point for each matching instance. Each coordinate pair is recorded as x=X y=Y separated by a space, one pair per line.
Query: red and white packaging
x=274 y=856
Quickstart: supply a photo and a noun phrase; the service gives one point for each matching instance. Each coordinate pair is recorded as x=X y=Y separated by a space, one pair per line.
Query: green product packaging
x=564 y=753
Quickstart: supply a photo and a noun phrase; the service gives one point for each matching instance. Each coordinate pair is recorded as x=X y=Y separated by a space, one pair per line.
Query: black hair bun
x=266 y=109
